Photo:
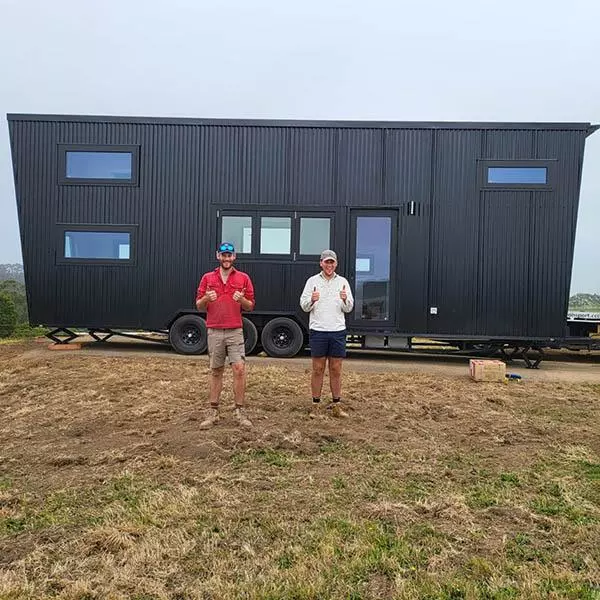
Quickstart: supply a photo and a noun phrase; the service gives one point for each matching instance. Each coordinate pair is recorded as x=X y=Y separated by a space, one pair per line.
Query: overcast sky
x=525 y=60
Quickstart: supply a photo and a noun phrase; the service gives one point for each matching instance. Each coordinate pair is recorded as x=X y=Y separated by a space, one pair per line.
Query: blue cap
x=226 y=247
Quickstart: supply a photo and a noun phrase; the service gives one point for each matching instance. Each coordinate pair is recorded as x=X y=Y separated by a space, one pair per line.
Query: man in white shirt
x=327 y=297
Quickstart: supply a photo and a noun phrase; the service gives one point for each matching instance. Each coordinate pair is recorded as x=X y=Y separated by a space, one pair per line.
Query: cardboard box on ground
x=487 y=370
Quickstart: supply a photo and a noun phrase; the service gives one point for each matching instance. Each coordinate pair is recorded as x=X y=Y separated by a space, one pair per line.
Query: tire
x=188 y=335
x=282 y=338
x=250 y=335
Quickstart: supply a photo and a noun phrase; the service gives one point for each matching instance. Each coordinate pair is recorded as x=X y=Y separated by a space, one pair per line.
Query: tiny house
x=459 y=232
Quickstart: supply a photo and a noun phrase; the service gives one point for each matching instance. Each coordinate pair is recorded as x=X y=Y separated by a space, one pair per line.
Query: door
x=373 y=252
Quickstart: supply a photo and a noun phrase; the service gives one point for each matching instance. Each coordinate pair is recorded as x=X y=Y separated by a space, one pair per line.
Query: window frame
x=548 y=164
x=257 y=213
x=308 y=214
x=276 y=214
x=107 y=148
x=62 y=228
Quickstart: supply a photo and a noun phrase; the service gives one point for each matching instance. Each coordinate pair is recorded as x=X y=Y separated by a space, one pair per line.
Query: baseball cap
x=226 y=247
x=328 y=254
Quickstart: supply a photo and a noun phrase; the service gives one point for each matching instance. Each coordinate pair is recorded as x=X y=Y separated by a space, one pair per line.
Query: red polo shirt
x=225 y=312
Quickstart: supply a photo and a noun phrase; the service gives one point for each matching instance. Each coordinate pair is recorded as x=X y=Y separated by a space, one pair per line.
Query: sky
x=433 y=60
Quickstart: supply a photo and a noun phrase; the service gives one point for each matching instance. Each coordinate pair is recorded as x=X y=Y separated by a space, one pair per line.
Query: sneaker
x=337 y=411
x=316 y=411
x=211 y=419
x=242 y=419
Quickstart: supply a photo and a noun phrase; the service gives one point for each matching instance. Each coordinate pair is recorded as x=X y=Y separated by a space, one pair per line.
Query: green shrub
x=8 y=315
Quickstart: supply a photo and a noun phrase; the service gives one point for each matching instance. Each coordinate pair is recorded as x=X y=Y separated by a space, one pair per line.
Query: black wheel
x=250 y=335
x=282 y=337
x=188 y=335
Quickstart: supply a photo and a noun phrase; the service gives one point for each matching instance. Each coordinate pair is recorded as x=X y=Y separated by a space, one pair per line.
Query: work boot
x=337 y=411
x=242 y=419
x=316 y=411
x=211 y=419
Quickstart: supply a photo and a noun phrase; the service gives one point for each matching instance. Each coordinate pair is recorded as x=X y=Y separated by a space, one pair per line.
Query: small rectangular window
x=275 y=235
x=315 y=233
x=515 y=175
x=98 y=165
x=238 y=231
x=522 y=174
x=96 y=244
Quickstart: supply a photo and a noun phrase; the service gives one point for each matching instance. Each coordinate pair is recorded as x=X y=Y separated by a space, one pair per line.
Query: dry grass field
x=436 y=487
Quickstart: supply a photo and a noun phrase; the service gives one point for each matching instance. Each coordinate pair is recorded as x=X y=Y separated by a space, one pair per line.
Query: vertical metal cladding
x=453 y=251
x=492 y=262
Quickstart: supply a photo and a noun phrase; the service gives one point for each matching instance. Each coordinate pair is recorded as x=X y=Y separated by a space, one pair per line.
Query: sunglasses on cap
x=226 y=247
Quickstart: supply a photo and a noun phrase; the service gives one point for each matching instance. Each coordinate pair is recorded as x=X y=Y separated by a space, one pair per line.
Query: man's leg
x=216 y=353
x=335 y=377
x=316 y=378
x=239 y=383
x=337 y=352
x=237 y=358
x=216 y=386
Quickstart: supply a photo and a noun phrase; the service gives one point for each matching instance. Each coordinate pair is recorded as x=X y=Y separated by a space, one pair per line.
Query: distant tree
x=16 y=291
x=8 y=316
x=12 y=271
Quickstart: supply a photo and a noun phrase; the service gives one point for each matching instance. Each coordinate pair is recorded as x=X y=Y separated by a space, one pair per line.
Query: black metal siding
x=493 y=263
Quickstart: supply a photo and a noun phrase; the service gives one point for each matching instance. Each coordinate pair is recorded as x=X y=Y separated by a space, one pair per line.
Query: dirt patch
x=80 y=415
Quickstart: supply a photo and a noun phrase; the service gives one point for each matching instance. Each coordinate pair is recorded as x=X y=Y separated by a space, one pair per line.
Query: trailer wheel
x=250 y=335
x=282 y=337
x=188 y=335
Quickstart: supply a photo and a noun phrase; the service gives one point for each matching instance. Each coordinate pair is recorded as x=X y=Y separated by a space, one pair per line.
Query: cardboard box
x=487 y=370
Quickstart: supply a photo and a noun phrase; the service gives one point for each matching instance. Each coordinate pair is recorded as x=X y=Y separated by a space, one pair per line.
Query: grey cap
x=328 y=254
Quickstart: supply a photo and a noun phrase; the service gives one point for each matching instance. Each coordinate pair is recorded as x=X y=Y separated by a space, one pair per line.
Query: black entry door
x=372 y=252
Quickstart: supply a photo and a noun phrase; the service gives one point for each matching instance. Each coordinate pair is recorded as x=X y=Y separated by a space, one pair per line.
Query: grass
x=109 y=491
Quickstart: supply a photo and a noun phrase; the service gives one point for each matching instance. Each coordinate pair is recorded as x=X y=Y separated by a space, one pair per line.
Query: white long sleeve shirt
x=328 y=312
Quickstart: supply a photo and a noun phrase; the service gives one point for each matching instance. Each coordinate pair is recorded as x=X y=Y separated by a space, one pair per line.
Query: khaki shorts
x=224 y=343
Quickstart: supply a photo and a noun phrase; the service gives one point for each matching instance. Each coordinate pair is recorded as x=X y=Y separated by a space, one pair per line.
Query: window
x=238 y=231
x=516 y=174
x=94 y=165
x=315 y=234
x=262 y=234
x=98 y=244
x=275 y=235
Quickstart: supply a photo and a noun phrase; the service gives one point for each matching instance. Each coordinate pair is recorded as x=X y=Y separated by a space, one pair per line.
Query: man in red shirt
x=223 y=294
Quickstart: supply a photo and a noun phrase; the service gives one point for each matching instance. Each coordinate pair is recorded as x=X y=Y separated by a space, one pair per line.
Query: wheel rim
x=282 y=337
x=191 y=335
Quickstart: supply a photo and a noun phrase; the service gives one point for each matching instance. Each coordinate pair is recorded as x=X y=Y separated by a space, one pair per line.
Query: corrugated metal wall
x=493 y=263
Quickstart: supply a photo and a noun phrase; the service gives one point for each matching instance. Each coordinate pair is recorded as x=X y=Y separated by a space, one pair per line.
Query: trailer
x=453 y=233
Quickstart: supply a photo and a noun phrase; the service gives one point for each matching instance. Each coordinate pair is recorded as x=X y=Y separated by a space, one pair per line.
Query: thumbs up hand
x=211 y=295
x=343 y=294
x=237 y=295
x=315 y=295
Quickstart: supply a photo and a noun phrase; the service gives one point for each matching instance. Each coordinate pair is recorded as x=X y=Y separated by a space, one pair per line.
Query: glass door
x=373 y=249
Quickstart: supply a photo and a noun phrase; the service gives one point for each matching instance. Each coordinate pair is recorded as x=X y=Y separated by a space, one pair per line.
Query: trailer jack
x=61 y=335
x=532 y=356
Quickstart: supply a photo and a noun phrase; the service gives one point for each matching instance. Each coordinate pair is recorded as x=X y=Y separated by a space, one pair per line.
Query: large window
x=104 y=244
x=95 y=165
x=260 y=233
x=516 y=174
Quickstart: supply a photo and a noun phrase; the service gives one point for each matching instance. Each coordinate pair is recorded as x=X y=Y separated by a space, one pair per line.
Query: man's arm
x=306 y=303
x=201 y=298
x=247 y=301
x=349 y=304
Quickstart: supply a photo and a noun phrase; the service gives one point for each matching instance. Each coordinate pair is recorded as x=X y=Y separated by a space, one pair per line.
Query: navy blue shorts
x=327 y=343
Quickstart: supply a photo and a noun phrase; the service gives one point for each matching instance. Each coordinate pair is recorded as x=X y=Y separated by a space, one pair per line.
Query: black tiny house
x=459 y=232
